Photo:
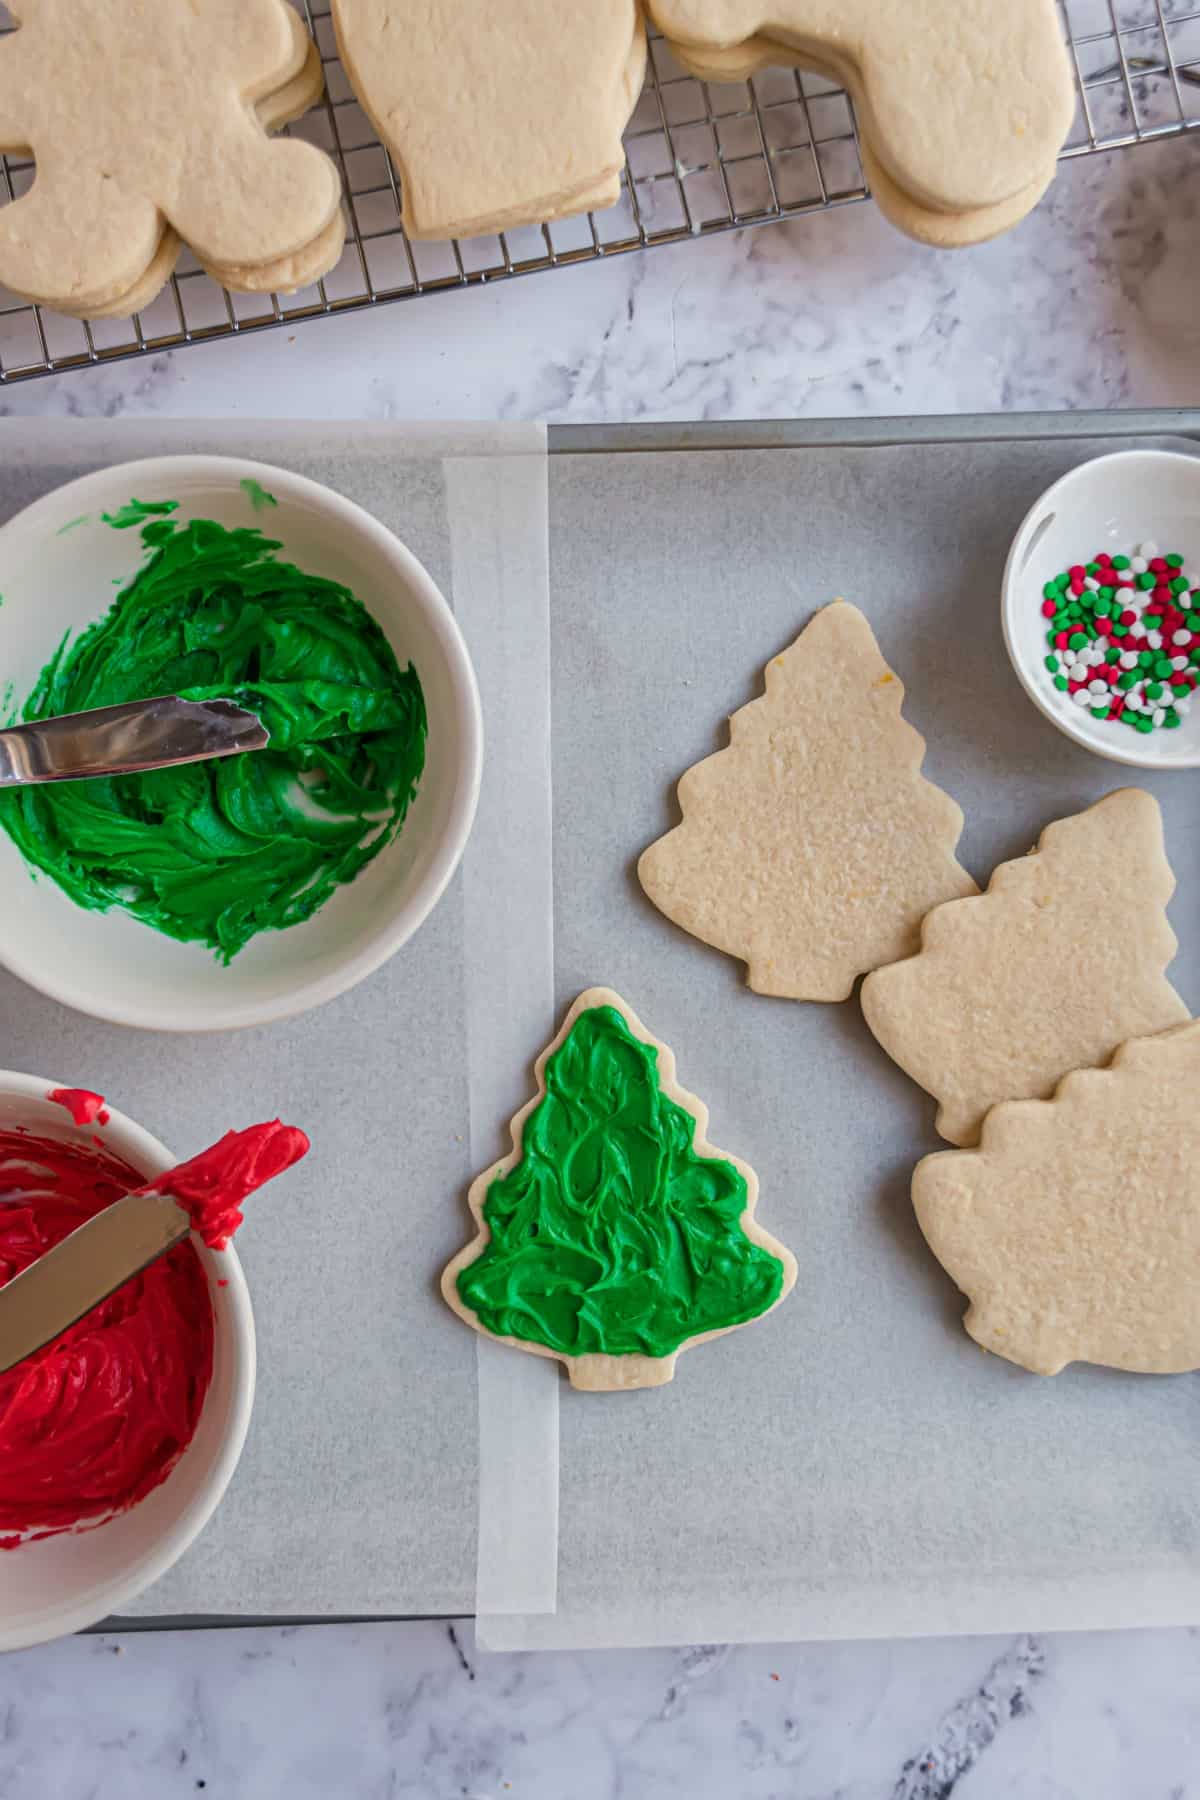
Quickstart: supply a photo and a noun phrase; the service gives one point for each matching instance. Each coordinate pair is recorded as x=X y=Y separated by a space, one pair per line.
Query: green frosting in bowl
x=216 y=852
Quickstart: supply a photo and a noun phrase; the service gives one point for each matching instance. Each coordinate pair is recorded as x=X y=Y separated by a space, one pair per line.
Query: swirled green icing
x=611 y=1234
x=219 y=851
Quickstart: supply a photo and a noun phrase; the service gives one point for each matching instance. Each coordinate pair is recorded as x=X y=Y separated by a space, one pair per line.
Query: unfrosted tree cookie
x=496 y=116
x=1074 y=1229
x=1061 y=960
x=813 y=846
x=964 y=105
x=140 y=118
x=614 y=1235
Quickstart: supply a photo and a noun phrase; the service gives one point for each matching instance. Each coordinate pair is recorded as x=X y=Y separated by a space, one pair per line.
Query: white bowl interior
x=1111 y=503
x=60 y=567
x=67 y=1582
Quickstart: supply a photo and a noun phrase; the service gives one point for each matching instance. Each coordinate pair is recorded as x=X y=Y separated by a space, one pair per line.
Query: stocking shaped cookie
x=614 y=1236
x=812 y=847
x=1074 y=1229
x=140 y=117
x=496 y=115
x=964 y=105
x=1009 y=992
x=928 y=225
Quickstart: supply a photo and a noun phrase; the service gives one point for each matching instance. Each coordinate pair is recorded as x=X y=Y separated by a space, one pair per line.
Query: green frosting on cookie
x=611 y=1234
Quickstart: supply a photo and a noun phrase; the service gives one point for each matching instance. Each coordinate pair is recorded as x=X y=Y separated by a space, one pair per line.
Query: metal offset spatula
x=87 y=1266
x=96 y=1258
x=127 y=739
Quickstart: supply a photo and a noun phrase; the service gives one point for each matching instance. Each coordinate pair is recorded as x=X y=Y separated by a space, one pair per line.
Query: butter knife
x=88 y=1265
x=92 y=1262
x=127 y=739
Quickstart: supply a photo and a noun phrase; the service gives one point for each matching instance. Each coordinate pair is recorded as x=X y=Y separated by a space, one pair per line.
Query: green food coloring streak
x=257 y=494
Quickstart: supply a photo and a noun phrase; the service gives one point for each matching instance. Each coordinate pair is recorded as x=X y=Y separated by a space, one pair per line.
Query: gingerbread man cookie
x=926 y=224
x=140 y=117
x=614 y=1236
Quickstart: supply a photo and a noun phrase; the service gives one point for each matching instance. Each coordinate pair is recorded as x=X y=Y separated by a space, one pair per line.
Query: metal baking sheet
x=357 y=1488
x=852 y=1466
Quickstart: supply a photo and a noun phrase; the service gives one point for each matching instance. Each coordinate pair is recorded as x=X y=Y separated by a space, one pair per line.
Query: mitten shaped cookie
x=813 y=846
x=1074 y=1229
x=496 y=116
x=965 y=104
x=140 y=116
x=1015 y=988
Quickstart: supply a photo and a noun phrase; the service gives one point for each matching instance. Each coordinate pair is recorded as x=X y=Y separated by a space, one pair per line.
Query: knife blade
x=203 y=1194
x=127 y=739
x=55 y=1292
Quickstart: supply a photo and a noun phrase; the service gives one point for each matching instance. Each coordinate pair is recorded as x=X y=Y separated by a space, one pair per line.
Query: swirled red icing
x=100 y=1416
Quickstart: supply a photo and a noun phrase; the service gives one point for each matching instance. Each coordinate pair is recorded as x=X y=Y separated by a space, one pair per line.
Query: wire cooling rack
x=702 y=157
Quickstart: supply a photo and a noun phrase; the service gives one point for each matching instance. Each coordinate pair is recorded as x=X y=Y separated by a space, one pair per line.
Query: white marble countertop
x=1091 y=303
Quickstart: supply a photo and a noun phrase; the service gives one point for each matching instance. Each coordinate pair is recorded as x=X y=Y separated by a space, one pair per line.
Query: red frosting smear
x=84 y=1107
x=212 y=1186
x=98 y=1418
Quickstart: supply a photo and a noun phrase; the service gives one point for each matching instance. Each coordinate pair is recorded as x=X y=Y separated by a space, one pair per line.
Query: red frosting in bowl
x=98 y=1418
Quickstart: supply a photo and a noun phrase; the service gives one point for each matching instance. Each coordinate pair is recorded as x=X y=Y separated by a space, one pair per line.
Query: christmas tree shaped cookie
x=813 y=846
x=613 y=1235
x=1074 y=1229
x=1059 y=962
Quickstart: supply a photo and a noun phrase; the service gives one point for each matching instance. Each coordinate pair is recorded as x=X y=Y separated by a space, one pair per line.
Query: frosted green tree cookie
x=613 y=1235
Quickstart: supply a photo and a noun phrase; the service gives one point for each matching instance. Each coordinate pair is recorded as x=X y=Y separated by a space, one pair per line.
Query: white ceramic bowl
x=1111 y=503
x=64 y=1583
x=59 y=568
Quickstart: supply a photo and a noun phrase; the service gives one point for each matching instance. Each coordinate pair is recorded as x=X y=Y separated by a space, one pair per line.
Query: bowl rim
x=144 y=1150
x=1132 y=756
x=311 y=991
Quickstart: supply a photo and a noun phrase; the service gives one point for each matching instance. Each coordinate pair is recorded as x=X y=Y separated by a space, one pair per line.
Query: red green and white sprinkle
x=1123 y=637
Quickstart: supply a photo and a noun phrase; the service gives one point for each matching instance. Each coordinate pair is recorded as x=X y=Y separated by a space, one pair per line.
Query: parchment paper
x=358 y=1490
x=853 y=1465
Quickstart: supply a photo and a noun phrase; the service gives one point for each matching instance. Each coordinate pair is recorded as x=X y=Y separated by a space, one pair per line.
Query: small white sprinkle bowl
x=1112 y=503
